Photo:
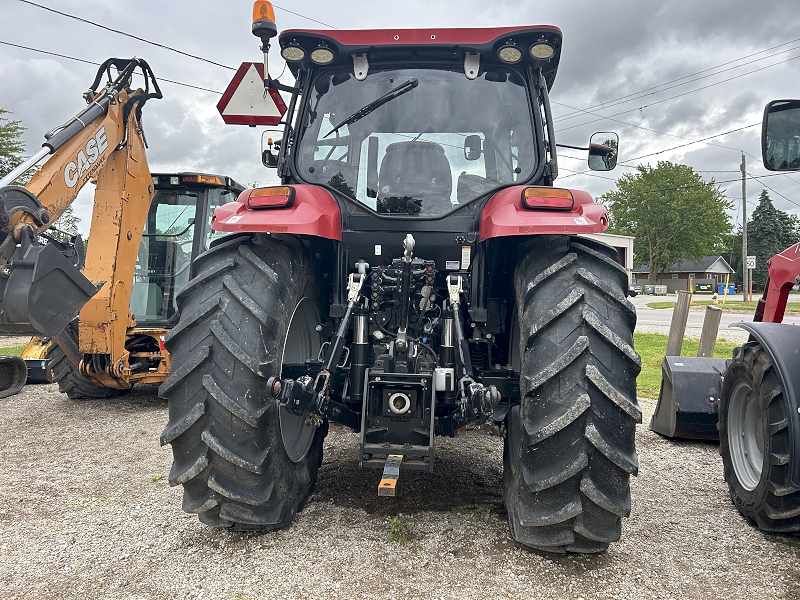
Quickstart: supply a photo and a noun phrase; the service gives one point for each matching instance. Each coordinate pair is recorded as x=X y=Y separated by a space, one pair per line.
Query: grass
x=399 y=531
x=729 y=305
x=652 y=346
x=13 y=350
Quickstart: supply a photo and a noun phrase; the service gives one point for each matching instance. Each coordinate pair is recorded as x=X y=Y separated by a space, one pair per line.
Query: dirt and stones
x=86 y=512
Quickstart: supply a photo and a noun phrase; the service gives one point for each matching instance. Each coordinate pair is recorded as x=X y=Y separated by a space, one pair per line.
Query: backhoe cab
x=414 y=273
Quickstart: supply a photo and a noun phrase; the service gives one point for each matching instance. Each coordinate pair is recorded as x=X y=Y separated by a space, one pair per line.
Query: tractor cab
x=418 y=123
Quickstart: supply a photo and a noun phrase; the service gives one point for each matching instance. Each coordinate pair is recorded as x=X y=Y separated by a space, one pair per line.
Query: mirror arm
x=275 y=84
x=572 y=147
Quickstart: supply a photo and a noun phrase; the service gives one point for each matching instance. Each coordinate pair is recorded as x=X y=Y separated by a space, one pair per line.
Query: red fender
x=505 y=215
x=784 y=272
x=313 y=212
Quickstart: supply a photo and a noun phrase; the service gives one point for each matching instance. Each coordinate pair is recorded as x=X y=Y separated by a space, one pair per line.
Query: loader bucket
x=13 y=374
x=40 y=290
x=687 y=402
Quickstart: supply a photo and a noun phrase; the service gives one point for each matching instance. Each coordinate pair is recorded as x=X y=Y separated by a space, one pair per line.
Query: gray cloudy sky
x=724 y=60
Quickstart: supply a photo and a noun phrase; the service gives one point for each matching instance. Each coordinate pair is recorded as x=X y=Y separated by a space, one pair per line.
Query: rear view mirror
x=269 y=153
x=268 y=159
x=472 y=147
x=780 y=135
x=603 y=151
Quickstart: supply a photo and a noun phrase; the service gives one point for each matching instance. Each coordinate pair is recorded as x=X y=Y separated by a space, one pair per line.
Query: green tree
x=769 y=231
x=12 y=147
x=12 y=150
x=672 y=213
x=66 y=225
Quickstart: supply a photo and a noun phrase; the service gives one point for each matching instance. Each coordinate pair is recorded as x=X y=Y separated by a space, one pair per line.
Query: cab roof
x=428 y=44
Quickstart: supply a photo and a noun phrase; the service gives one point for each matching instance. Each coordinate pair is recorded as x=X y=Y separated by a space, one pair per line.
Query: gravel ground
x=86 y=512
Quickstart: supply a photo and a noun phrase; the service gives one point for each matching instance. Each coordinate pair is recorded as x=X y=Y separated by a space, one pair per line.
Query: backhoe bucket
x=687 y=402
x=41 y=290
x=13 y=374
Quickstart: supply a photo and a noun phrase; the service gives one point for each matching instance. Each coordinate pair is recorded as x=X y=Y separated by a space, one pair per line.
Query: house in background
x=623 y=244
x=711 y=270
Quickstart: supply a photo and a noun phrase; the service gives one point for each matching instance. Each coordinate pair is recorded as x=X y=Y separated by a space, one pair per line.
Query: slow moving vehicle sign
x=247 y=102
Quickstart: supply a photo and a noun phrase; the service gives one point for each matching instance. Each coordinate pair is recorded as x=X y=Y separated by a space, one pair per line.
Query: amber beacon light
x=264 y=21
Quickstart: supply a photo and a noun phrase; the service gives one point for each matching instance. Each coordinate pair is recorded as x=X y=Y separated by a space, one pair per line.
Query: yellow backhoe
x=102 y=331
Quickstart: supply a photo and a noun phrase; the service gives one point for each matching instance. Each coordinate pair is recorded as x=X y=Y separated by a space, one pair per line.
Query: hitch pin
x=391 y=473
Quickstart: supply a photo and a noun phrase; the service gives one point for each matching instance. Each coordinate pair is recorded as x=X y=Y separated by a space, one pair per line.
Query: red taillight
x=271 y=197
x=547 y=198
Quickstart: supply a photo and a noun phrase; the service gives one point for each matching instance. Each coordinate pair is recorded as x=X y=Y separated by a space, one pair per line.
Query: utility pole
x=744 y=230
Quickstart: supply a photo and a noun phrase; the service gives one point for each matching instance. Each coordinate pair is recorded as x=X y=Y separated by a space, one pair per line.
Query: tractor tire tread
x=227 y=445
x=567 y=472
x=774 y=504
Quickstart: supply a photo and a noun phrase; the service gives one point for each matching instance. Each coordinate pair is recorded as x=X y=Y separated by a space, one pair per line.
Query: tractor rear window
x=416 y=142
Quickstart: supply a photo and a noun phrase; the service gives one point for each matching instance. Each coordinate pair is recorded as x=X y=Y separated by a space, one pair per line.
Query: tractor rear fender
x=782 y=343
x=311 y=210
x=506 y=215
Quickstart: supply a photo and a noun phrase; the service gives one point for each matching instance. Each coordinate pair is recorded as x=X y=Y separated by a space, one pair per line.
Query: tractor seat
x=415 y=178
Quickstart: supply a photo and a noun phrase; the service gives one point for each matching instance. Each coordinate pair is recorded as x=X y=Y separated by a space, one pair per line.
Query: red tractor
x=751 y=403
x=415 y=272
x=759 y=408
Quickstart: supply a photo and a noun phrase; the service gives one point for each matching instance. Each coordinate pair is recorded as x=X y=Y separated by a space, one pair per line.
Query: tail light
x=547 y=198
x=201 y=179
x=271 y=197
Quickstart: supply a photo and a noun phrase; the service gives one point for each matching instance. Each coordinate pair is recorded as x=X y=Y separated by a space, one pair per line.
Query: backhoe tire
x=243 y=462
x=569 y=450
x=754 y=442
x=71 y=382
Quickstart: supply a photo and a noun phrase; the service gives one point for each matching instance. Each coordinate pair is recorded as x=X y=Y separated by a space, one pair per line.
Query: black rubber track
x=569 y=452
x=228 y=452
x=773 y=505
x=70 y=381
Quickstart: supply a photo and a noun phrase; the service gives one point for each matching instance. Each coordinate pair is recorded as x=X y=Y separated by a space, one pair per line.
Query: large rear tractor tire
x=569 y=451
x=71 y=382
x=243 y=461
x=754 y=442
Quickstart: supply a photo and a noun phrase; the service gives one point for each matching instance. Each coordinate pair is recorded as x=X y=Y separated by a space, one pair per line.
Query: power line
x=89 y=62
x=610 y=117
x=589 y=173
x=621 y=164
x=146 y=41
x=756 y=178
x=777 y=192
x=695 y=142
x=642 y=93
x=303 y=16
x=130 y=35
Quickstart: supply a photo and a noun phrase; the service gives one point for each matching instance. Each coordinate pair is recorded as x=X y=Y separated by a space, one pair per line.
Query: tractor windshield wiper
x=377 y=103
